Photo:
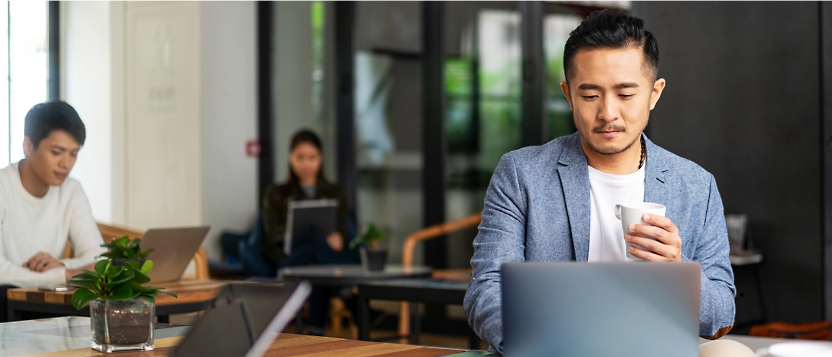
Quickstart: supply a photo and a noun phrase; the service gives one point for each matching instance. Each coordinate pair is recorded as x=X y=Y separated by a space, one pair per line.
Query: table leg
x=363 y=318
x=299 y=322
x=473 y=340
x=414 y=323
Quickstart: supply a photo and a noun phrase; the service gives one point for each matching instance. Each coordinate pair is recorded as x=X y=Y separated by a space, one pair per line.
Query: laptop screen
x=242 y=316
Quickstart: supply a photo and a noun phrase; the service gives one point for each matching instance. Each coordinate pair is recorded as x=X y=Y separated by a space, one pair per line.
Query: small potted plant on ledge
x=373 y=257
x=121 y=308
x=124 y=249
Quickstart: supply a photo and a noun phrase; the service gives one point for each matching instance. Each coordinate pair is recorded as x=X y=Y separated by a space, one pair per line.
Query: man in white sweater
x=41 y=208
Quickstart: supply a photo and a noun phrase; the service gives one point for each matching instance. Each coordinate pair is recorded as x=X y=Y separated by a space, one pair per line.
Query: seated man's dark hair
x=44 y=118
x=611 y=29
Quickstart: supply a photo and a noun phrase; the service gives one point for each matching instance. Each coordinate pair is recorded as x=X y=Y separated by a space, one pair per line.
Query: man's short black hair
x=611 y=29
x=44 y=118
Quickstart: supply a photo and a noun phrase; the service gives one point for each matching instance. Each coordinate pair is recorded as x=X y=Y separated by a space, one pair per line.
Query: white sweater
x=29 y=225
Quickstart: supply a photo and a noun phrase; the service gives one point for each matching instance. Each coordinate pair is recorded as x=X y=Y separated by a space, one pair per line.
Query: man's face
x=54 y=157
x=611 y=93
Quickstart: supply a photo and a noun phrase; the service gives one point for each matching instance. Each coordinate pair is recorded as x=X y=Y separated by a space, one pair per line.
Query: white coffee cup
x=631 y=213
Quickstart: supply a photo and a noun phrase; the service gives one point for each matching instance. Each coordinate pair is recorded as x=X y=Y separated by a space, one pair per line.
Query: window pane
x=556 y=30
x=4 y=87
x=28 y=75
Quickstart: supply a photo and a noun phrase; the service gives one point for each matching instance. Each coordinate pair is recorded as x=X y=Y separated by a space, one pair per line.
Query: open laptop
x=244 y=320
x=307 y=221
x=600 y=309
x=173 y=249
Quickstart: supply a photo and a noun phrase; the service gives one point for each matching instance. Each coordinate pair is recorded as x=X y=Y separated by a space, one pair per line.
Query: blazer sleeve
x=501 y=239
x=717 y=309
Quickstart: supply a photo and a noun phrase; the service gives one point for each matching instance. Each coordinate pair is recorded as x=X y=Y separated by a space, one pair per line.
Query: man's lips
x=608 y=133
x=60 y=175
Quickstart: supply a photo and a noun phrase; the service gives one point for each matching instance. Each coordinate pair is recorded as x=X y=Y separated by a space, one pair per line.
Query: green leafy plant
x=371 y=236
x=110 y=282
x=125 y=248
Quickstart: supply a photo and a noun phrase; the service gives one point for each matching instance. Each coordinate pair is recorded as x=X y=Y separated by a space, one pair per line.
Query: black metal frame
x=825 y=78
x=345 y=102
x=534 y=73
x=265 y=162
x=433 y=137
x=406 y=291
x=54 y=71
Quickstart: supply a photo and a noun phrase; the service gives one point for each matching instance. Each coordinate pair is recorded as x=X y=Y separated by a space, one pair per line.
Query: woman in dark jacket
x=306 y=182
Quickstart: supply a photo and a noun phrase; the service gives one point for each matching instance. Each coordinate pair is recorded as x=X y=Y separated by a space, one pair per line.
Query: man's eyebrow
x=626 y=85
x=587 y=86
x=56 y=146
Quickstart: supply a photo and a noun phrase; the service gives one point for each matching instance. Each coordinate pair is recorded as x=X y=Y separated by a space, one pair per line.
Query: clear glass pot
x=122 y=325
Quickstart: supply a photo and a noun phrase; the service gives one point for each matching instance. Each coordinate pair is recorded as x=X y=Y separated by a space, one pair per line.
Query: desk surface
x=350 y=274
x=189 y=291
x=70 y=336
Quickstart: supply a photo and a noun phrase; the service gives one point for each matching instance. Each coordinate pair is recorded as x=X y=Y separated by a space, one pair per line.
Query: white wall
x=229 y=117
x=86 y=85
x=173 y=163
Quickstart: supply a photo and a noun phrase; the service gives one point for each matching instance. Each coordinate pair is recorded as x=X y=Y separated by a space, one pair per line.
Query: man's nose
x=608 y=110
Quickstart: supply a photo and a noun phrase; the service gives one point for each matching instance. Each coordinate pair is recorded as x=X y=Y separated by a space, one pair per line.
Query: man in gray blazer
x=554 y=202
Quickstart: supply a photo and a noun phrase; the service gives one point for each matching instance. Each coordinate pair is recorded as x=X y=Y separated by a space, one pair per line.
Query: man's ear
x=658 y=87
x=28 y=147
x=564 y=87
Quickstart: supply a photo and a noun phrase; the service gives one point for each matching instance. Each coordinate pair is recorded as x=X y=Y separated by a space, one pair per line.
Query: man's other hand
x=665 y=245
x=42 y=262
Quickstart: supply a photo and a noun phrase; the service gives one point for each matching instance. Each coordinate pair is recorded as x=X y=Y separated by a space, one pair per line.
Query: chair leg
x=404 y=322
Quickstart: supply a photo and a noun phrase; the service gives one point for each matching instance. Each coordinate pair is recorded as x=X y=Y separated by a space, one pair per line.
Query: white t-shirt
x=606 y=238
x=29 y=224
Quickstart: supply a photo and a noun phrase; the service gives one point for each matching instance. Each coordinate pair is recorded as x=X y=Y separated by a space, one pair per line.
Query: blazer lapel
x=574 y=179
x=656 y=189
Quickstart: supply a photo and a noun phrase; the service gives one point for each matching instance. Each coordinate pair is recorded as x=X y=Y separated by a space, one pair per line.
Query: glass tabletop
x=56 y=334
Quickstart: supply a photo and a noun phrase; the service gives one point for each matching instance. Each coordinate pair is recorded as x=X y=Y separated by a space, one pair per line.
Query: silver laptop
x=600 y=309
x=244 y=320
x=173 y=249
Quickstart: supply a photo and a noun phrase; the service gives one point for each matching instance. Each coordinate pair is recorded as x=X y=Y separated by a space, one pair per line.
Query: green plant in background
x=371 y=236
x=125 y=248
x=110 y=282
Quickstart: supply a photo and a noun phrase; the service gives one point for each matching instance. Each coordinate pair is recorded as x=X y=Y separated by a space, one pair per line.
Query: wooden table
x=194 y=295
x=288 y=345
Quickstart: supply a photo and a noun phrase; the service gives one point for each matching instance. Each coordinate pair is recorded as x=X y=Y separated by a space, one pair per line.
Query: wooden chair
x=110 y=232
x=463 y=275
x=820 y=330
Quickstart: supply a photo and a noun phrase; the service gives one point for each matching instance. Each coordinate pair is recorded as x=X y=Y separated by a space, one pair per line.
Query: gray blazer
x=537 y=208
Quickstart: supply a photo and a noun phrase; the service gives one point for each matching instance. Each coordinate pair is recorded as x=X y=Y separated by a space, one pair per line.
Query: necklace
x=643 y=154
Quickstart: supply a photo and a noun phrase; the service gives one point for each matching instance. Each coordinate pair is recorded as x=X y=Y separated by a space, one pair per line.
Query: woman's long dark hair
x=300 y=137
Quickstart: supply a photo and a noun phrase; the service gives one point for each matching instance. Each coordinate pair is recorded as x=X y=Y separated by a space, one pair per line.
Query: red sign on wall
x=253 y=148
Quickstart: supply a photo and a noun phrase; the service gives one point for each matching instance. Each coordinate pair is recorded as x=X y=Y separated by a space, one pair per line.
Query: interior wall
x=180 y=151
x=742 y=101
x=229 y=117
x=86 y=78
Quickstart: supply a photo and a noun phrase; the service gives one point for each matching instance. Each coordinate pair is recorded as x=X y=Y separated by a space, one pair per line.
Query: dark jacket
x=276 y=211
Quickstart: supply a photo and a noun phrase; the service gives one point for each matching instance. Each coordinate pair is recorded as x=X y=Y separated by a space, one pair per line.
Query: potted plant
x=124 y=249
x=121 y=308
x=373 y=257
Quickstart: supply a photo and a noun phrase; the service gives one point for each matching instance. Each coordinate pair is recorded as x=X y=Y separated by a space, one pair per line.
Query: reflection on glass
x=28 y=70
x=556 y=29
x=388 y=120
x=483 y=87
